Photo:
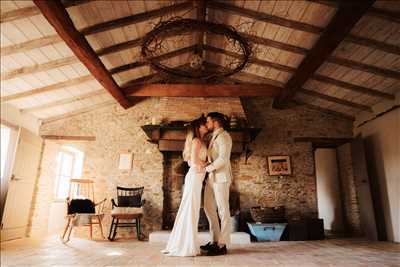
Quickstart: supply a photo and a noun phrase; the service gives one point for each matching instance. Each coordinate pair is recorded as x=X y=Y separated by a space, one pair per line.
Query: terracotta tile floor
x=80 y=252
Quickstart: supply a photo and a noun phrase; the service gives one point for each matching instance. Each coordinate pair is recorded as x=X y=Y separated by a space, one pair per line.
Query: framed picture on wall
x=279 y=165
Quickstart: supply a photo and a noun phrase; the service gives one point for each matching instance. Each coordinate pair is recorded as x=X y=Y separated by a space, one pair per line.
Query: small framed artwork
x=279 y=165
x=125 y=160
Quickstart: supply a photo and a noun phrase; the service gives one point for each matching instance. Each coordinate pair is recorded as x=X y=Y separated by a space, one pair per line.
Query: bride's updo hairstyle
x=193 y=131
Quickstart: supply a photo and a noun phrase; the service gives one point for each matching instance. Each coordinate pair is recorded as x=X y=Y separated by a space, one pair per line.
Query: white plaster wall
x=14 y=116
x=383 y=136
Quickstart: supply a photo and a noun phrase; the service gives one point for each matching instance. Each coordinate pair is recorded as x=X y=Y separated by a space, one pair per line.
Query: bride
x=183 y=239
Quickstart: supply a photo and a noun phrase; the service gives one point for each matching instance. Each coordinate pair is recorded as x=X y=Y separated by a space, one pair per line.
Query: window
x=69 y=165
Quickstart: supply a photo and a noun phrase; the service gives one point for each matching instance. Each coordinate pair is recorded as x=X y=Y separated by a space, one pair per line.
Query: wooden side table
x=135 y=218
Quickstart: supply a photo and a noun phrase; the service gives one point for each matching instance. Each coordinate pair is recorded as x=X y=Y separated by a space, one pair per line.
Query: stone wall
x=297 y=191
x=118 y=130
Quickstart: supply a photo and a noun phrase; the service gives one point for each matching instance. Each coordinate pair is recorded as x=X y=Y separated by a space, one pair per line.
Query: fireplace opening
x=175 y=170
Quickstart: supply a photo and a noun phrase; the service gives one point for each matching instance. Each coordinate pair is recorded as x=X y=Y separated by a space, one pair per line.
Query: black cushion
x=81 y=206
x=130 y=201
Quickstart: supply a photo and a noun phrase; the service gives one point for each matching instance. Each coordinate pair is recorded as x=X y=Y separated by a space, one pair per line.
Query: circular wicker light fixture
x=152 y=42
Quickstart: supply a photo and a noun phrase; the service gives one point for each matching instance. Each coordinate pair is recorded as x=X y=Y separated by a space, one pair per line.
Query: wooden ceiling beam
x=29 y=45
x=202 y=90
x=136 y=18
x=71 y=3
x=292 y=24
x=201 y=15
x=265 y=17
x=119 y=47
x=138 y=64
x=38 y=68
x=373 y=11
x=336 y=31
x=275 y=44
x=352 y=87
x=389 y=48
x=246 y=77
x=335 y=100
x=385 y=14
x=326 y=79
x=58 y=17
x=48 y=88
x=151 y=78
x=22 y=13
x=64 y=101
x=69 y=137
x=325 y=110
x=253 y=60
x=19 y=14
x=364 y=67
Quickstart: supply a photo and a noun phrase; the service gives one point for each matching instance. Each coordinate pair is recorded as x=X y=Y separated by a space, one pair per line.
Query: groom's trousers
x=216 y=197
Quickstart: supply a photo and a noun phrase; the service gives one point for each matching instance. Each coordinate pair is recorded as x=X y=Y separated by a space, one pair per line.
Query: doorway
x=328 y=190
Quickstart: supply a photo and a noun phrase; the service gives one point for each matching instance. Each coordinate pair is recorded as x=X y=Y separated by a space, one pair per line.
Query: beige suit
x=216 y=193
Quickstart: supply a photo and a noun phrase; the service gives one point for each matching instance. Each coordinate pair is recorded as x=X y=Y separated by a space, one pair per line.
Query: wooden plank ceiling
x=59 y=59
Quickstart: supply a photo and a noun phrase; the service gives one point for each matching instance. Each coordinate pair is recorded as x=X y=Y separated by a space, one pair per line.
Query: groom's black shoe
x=217 y=251
x=209 y=246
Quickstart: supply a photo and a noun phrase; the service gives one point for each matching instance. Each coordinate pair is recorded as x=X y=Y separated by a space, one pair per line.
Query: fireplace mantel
x=172 y=138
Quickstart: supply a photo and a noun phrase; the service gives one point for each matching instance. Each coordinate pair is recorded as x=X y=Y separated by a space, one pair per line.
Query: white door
x=20 y=191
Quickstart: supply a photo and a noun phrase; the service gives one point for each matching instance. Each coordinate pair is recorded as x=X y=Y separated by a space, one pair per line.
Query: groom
x=216 y=192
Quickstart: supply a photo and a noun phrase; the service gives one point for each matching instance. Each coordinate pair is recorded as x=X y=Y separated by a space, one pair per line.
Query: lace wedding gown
x=183 y=240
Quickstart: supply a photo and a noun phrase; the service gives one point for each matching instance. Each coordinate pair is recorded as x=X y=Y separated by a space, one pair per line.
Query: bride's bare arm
x=195 y=160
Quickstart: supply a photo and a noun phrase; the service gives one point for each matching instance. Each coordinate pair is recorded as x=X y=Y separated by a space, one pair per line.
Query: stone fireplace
x=175 y=170
x=170 y=140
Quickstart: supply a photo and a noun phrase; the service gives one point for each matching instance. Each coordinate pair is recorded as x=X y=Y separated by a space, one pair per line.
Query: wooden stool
x=115 y=224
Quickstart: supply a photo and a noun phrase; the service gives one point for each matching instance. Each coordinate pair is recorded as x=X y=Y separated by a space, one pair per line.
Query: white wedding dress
x=183 y=240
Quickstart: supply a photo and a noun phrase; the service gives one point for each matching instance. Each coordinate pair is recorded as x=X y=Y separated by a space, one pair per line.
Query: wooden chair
x=83 y=188
x=128 y=207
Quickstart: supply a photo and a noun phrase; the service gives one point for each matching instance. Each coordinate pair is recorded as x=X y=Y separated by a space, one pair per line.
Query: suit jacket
x=219 y=154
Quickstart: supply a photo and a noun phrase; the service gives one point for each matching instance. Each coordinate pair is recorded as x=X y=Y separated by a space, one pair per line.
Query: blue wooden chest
x=267 y=231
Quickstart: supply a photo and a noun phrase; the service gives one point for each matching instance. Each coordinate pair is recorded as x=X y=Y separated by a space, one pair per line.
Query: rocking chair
x=129 y=207
x=82 y=209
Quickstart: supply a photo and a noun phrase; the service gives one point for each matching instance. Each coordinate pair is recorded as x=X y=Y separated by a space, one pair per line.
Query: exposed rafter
x=58 y=17
x=265 y=17
x=64 y=101
x=374 y=44
x=353 y=87
x=373 y=11
x=245 y=77
x=119 y=47
x=276 y=44
x=335 y=100
x=138 y=64
x=151 y=78
x=385 y=14
x=257 y=61
x=302 y=27
x=32 y=11
x=69 y=137
x=29 y=45
x=202 y=90
x=364 y=67
x=201 y=6
x=117 y=23
x=338 y=28
x=38 y=68
x=48 y=88
x=19 y=13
